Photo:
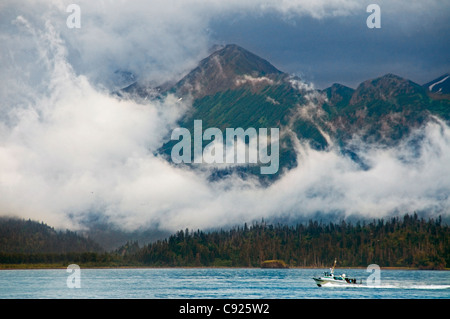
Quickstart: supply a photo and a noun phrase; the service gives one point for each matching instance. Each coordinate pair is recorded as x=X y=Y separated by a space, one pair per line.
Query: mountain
x=234 y=88
x=338 y=95
x=387 y=88
x=225 y=69
x=441 y=85
x=385 y=109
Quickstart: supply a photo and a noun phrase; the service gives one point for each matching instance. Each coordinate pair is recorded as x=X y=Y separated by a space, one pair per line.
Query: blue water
x=219 y=283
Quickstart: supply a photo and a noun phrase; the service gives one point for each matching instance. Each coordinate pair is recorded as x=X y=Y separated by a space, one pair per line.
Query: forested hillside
x=27 y=236
x=28 y=242
x=400 y=242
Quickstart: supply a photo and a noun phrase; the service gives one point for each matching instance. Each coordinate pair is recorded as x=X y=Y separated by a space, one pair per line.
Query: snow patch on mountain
x=439 y=82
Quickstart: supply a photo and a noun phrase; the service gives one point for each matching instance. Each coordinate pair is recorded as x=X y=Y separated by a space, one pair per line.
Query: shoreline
x=56 y=267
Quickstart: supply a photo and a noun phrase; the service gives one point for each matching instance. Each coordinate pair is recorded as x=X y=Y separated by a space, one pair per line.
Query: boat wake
x=390 y=286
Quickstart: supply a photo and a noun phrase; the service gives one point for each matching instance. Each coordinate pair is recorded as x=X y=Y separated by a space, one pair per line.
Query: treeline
x=19 y=236
x=397 y=242
x=62 y=259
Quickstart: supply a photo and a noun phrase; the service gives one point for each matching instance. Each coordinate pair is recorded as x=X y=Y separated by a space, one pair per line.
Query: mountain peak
x=385 y=88
x=338 y=95
x=223 y=69
x=243 y=61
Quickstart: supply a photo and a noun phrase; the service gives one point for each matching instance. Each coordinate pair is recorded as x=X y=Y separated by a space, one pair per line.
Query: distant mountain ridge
x=386 y=109
x=236 y=88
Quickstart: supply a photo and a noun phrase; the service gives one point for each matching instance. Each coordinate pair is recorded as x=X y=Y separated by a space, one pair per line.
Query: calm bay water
x=222 y=283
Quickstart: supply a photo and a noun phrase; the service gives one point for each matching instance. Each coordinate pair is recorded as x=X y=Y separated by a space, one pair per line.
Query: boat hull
x=324 y=281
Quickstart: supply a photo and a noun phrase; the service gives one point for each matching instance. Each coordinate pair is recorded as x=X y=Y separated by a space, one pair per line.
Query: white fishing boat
x=332 y=278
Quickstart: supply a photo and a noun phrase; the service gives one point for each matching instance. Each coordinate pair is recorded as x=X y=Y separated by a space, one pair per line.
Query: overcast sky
x=325 y=41
x=412 y=43
x=69 y=150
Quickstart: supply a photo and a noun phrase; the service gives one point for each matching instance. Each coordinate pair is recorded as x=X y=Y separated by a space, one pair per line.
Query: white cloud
x=156 y=40
x=68 y=148
x=262 y=80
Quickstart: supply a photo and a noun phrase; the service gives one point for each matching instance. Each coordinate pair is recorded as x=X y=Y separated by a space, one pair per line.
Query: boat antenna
x=332 y=269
